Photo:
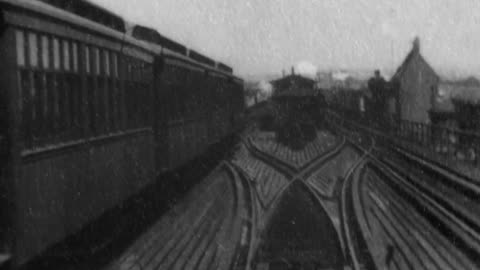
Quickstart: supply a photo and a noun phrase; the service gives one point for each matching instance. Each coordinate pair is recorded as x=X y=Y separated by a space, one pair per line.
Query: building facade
x=295 y=93
x=415 y=83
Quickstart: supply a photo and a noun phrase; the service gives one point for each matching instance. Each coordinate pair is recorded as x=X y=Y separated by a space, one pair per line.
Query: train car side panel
x=8 y=139
x=80 y=155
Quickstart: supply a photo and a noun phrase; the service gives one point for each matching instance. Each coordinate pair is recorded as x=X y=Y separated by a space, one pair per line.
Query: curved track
x=352 y=227
x=296 y=179
x=211 y=229
x=412 y=214
x=449 y=226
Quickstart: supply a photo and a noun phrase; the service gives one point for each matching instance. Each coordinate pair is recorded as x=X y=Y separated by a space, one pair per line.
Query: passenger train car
x=91 y=112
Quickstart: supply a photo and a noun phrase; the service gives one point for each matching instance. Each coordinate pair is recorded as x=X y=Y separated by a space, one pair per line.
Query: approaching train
x=91 y=113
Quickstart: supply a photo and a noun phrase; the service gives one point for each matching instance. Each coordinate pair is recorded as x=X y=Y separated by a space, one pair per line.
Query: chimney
x=416 y=45
x=293 y=70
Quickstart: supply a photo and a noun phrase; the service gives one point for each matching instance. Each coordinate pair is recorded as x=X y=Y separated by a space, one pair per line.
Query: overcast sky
x=265 y=36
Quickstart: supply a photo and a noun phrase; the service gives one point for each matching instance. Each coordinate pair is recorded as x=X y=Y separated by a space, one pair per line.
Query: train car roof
x=238 y=79
x=167 y=53
x=201 y=58
x=201 y=64
x=76 y=20
x=153 y=36
x=185 y=59
x=91 y=11
x=174 y=49
x=224 y=67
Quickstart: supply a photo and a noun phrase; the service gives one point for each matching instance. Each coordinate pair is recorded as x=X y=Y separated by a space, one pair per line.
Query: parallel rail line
x=459 y=226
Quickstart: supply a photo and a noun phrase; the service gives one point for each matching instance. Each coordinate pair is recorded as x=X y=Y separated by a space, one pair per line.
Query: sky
x=266 y=36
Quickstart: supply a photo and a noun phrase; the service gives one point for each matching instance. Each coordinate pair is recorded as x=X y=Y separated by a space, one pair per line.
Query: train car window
x=38 y=79
x=114 y=92
x=44 y=96
x=33 y=97
x=78 y=99
x=108 y=104
x=87 y=60
x=141 y=69
x=33 y=49
x=68 y=105
x=120 y=91
x=61 y=101
x=139 y=72
x=106 y=55
x=75 y=56
x=146 y=69
x=129 y=71
x=100 y=98
x=91 y=104
x=111 y=105
x=96 y=60
x=115 y=65
x=132 y=70
x=66 y=55
x=116 y=106
x=56 y=103
x=20 y=40
x=56 y=53
x=45 y=52
x=26 y=108
x=101 y=56
x=50 y=103
x=106 y=89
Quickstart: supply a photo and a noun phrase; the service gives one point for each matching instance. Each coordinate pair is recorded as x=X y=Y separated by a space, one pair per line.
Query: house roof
x=294 y=85
x=414 y=53
x=292 y=77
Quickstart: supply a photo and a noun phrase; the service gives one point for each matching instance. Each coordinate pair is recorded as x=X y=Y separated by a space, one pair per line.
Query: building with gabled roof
x=294 y=85
x=414 y=83
x=295 y=94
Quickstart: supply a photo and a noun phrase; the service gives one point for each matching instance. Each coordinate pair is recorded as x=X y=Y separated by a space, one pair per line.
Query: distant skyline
x=266 y=36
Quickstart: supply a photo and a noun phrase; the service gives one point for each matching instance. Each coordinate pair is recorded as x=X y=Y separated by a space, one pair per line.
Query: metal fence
x=438 y=140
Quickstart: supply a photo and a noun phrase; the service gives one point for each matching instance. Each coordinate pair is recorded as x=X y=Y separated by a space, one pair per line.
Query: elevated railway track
x=411 y=213
x=367 y=207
